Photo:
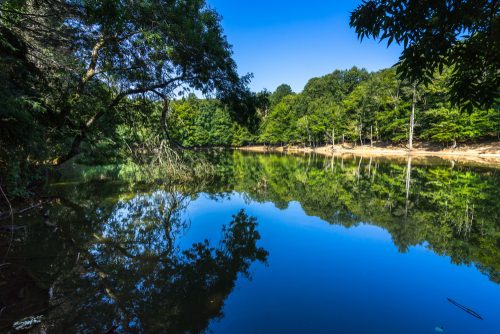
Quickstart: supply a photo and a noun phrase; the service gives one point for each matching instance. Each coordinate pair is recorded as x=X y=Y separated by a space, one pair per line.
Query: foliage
x=202 y=123
x=88 y=64
x=281 y=91
x=463 y=35
x=116 y=254
x=21 y=139
x=362 y=107
x=107 y=81
x=452 y=209
x=127 y=271
x=279 y=125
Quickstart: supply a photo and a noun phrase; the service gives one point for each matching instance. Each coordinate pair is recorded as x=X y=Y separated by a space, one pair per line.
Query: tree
x=435 y=34
x=444 y=123
x=336 y=85
x=280 y=126
x=453 y=208
x=280 y=92
x=114 y=50
x=412 y=117
x=131 y=267
x=263 y=103
x=21 y=139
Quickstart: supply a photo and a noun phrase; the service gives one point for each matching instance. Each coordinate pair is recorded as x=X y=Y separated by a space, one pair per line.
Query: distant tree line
x=350 y=106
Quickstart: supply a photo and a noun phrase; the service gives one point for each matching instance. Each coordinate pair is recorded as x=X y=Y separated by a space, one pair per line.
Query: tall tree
x=280 y=92
x=412 y=117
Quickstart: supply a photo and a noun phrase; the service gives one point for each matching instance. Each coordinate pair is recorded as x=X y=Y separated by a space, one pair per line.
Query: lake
x=272 y=244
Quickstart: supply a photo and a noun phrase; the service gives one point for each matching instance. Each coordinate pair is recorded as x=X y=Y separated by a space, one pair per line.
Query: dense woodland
x=107 y=81
x=73 y=72
x=352 y=106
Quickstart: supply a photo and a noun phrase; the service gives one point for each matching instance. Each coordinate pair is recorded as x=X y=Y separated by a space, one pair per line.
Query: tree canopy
x=116 y=49
x=280 y=92
x=71 y=67
x=463 y=35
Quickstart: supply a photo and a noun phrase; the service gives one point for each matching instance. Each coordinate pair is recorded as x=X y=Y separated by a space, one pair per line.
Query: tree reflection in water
x=124 y=272
x=452 y=209
x=114 y=261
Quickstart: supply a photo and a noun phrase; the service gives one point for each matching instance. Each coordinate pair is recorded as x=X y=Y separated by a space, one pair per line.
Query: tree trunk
x=87 y=76
x=360 y=133
x=408 y=184
x=371 y=136
x=79 y=138
x=412 y=116
x=359 y=167
x=164 y=114
x=333 y=139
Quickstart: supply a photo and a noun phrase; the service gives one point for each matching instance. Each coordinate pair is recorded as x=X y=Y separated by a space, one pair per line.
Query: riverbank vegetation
x=113 y=82
x=78 y=75
x=352 y=106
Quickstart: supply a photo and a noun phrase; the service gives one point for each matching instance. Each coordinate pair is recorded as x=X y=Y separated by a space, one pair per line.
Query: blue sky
x=293 y=41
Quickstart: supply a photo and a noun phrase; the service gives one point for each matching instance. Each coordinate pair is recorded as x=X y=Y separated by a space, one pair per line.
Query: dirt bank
x=483 y=153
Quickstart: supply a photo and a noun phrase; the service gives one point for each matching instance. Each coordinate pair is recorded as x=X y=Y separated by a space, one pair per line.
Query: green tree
x=21 y=116
x=148 y=48
x=464 y=35
x=279 y=126
x=278 y=95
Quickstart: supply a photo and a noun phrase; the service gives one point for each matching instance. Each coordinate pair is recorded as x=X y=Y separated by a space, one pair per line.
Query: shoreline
x=483 y=153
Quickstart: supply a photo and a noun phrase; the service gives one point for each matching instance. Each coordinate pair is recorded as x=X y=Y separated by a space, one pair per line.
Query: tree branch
x=80 y=137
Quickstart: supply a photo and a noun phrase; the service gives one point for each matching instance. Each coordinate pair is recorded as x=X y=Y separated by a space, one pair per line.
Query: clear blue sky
x=292 y=41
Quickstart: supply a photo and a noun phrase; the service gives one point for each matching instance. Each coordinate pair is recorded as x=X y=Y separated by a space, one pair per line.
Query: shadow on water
x=103 y=256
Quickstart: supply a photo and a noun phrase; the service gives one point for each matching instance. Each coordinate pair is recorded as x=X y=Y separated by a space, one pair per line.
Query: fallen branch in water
x=465 y=308
x=12 y=212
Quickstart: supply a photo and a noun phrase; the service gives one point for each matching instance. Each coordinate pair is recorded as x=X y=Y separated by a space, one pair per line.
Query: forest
x=353 y=106
x=130 y=203
x=111 y=81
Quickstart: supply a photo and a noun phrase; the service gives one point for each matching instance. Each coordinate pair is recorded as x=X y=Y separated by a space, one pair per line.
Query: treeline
x=352 y=106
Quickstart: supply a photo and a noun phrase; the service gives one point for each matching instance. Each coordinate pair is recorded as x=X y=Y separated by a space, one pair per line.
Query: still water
x=273 y=244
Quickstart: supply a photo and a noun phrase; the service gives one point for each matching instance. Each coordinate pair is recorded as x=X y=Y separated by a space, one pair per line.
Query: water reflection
x=104 y=256
x=452 y=208
x=116 y=267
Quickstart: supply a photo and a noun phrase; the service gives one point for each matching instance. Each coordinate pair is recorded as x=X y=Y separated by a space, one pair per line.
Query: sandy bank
x=482 y=153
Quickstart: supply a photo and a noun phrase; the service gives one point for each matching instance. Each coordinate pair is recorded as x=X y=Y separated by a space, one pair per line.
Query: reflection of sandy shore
x=481 y=153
